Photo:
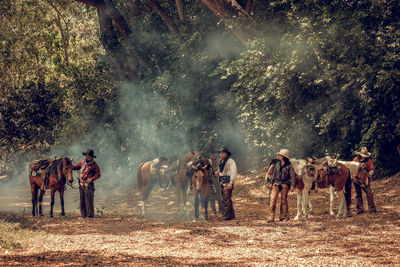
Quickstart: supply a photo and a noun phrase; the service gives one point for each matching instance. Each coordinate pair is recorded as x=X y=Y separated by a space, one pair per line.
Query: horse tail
x=139 y=176
x=347 y=188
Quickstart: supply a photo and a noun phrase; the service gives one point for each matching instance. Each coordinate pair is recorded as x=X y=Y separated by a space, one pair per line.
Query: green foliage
x=315 y=77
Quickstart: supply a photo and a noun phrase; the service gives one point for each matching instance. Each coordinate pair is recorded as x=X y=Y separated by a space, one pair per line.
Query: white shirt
x=229 y=170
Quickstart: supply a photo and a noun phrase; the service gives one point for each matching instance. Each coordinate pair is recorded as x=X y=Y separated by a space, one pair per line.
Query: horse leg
x=145 y=196
x=299 y=201
x=184 y=198
x=41 y=194
x=212 y=204
x=62 y=201
x=52 y=202
x=34 y=191
x=306 y=199
x=310 y=211
x=331 y=198
x=342 y=205
x=205 y=206
x=196 y=205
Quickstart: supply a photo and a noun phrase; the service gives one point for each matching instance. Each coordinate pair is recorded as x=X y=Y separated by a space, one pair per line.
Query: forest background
x=139 y=79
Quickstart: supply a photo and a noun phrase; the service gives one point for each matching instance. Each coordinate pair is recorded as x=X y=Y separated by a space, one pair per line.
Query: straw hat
x=363 y=152
x=284 y=152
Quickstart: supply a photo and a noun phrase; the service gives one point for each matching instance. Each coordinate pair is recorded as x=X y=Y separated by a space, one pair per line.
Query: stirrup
x=190 y=190
x=212 y=189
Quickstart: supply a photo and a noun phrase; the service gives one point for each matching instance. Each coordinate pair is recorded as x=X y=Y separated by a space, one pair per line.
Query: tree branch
x=181 y=11
x=249 y=5
x=164 y=15
x=109 y=9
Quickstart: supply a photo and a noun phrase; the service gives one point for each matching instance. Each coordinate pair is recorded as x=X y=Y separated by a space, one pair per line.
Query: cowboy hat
x=89 y=153
x=363 y=152
x=224 y=149
x=284 y=152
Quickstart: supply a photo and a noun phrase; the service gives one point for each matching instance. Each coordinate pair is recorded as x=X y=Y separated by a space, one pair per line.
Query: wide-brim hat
x=284 y=152
x=224 y=149
x=363 y=152
x=89 y=153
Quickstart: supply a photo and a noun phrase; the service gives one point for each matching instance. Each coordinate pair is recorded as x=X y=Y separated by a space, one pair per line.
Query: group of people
x=282 y=183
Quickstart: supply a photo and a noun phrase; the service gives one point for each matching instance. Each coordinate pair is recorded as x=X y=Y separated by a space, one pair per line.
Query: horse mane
x=56 y=166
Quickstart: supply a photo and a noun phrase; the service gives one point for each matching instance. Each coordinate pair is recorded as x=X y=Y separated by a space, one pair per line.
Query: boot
x=285 y=212
x=272 y=215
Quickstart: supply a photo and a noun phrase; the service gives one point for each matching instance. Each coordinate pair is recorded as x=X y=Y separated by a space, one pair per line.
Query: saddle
x=155 y=169
x=37 y=165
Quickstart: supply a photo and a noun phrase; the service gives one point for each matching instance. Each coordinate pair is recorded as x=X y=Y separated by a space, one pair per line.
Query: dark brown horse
x=54 y=176
x=182 y=178
x=335 y=175
x=201 y=186
x=147 y=177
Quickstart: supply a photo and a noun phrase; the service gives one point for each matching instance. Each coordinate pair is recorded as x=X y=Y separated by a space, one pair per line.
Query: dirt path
x=166 y=236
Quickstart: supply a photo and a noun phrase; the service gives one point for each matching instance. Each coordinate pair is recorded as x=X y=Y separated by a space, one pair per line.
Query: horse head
x=310 y=171
x=200 y=177
x=270 y=170
x=67 y=169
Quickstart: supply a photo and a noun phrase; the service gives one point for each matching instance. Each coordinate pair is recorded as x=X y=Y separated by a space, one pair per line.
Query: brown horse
x=147 y=177
x=56 y=173
x=182 y=178
x=202 y=190
x=335 y=175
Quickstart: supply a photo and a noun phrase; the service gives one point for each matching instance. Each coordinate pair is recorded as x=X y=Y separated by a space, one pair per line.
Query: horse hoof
x=62 y=214
x=296 y=218
x=304 y=219
x=310 y=211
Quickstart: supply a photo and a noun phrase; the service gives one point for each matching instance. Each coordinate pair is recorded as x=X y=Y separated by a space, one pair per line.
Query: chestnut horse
x=201 y=186
x=182 y=178
x=335 y=175
x=146 y=179
x=56 y=173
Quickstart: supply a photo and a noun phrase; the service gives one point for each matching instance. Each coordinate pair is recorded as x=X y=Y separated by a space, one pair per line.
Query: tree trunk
x=116 y=52
x=109 y=9
x=181 y=11
x=249 y=5
x=164 y=15
x=134 y=12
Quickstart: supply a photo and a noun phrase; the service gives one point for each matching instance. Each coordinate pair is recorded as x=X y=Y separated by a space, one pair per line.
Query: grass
x=13 y=235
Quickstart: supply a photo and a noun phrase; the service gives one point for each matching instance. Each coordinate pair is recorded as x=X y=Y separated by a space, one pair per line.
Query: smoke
x=166 y=115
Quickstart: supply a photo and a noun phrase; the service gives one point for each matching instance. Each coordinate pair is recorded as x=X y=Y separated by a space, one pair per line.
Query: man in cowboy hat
x=364 y=156
x=227 y=173
x=282 y=181
x=90 y=172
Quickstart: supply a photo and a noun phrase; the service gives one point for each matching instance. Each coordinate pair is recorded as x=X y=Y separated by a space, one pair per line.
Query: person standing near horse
x=283 y=180
x=90 y=172
x=363 y=156
x=227 y=173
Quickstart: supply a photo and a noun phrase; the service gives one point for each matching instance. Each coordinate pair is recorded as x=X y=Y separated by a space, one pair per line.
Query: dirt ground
x=119 y=235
